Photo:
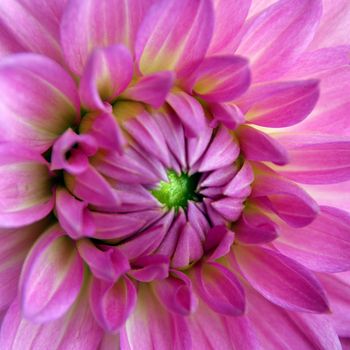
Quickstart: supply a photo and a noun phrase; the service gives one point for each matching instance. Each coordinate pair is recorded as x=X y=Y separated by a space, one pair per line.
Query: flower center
x=178 y=190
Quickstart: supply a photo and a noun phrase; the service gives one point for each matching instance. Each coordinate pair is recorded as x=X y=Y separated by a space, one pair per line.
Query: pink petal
x=197 y=146
x=290 y=285
x=31 y=26
x=51 y=278
x=229 y=208
x=39 y=100
x=153 y=326
x=229 y=18
x=107 y=74
x=182 y=40
x=316 y=159
x=19 y=333
x=222 y=151
x=285 y=198
x=176 y=293
x=221 y=78
x=279 y=104
x=111 y=303
x=259 y=146
x=151 y=89
x=94 y=23
x=190 y=112
x=14 y=246
x=104 y=262
x=323 y=246
x=274 y=39
x=220 y=289
x=25 y=186
x=218 y=242
x=229 y=115
x=150 y=268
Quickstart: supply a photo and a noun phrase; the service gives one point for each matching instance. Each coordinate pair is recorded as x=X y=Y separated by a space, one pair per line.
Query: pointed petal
x=182 y=39
x=51 y=278
x=290 y=285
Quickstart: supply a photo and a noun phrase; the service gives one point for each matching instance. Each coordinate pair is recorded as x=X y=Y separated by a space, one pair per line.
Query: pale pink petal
x=151 y=89
x=220 y=289
x=229 y=18
x=323 y=246
x=31 y=25
x=107 y=73
x=105 y=263
x=19 y=333
x=274 y=39
x=220 y=78
x=38 y=100
x=316 y=159
x=112 y=303
x=290 y=285
x=173 y=36
x=279 y=104
x=90 y=24
x=190 y=112
x=51 y=278
x=259 y=146
x=25 y=186
x=153 y=326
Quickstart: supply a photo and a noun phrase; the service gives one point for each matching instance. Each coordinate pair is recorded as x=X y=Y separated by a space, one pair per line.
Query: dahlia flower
x=174 y=174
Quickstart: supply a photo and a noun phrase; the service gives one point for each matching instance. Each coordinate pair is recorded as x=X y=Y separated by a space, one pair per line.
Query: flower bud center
x=178 y=190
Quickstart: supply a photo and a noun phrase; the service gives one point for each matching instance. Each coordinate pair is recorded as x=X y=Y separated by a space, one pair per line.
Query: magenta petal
x=279 y=104
x=150 y=268
x=220 y=289
x=323 y=246
x=151 y=89
x=190 y=112
x=221 y=78
x=316 y=159
x=176 y=293
x=94 y=23
x=275 y=38
x=218 y=242
x=285 y=198
x=104 y=262
x=25 y=186
x=182 y=39
x=259 y=146
x=290 y=285
x=229 y=208
x=111 y=303
x=107 y=74
x=229 y=115
x=38 y=100
x=51 y=278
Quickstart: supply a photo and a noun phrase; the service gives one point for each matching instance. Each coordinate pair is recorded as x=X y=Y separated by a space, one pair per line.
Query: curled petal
x=218 y=242
x=107 y=74
x=229 y=208
x=150 y=268
x=172 y=35
x=38 y=100
x=51 y=278
x=290 y=285
x=25 y=186
x=112 y=303
x=229 y=115
x=220 y=289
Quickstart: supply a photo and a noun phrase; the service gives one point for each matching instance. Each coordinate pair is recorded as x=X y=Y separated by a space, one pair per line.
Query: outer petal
x=279 y=104
x=89 y=24
x=38 y=100
x=51 y=278
x=28 y=25
x=19 y=333
x=107 y=74
x=323 y=246
x=290 y=285
x=111 y=303
x=173 y=36
x=274 y=39
x=25 y=186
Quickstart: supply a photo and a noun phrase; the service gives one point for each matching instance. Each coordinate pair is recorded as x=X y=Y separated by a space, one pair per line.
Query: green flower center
x=178 y=190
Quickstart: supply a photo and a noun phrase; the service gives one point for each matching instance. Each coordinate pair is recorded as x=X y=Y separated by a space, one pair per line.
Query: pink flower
x=174 y=174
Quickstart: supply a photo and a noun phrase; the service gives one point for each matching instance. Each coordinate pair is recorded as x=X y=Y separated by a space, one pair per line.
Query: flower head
x=173 y=174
